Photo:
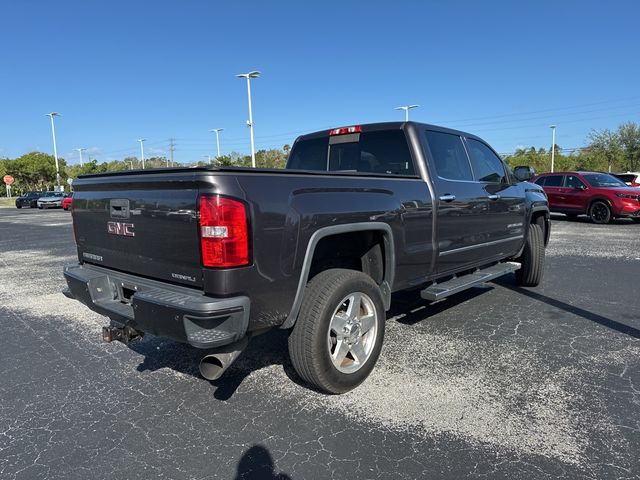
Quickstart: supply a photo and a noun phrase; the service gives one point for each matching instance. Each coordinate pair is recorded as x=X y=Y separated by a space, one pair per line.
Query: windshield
x=603 y=180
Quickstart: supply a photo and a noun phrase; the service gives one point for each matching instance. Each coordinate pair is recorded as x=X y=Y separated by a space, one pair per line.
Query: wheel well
x=605 y=200
x=542 y=218
x=361 y=250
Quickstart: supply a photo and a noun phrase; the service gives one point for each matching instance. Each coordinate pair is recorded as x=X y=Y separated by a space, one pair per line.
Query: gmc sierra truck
x=213 y=256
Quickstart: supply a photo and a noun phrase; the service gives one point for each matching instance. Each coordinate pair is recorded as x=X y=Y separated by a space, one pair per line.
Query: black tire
x=532 y=258
x=637 y=220
x=310 y=344
x=18 y=205
x=600 y=212
x=40 y=208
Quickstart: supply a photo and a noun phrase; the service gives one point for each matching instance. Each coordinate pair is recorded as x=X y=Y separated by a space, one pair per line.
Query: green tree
x=605 y=145
x=629 y=137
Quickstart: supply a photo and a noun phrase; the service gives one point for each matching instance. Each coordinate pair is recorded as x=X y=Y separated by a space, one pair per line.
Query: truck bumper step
x=438 y=291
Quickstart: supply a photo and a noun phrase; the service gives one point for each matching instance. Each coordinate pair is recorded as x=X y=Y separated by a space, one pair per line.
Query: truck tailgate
x=140 y=224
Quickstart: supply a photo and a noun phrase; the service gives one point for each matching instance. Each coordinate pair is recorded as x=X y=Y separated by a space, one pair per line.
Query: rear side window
x=487 y=166
x=553 y=181
x=540 y=181
x=449 y=156
x=385 y=152
x=309 y=155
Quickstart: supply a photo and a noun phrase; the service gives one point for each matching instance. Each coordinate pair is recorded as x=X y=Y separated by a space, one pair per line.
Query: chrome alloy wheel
x=352 y=332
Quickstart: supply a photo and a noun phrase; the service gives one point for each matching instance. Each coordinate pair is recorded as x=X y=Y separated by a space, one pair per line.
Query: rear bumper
x=159 y=308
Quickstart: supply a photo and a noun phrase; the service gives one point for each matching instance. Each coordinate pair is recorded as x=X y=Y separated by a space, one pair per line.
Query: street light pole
x=406 y=109
x=142 y=150
x=249 y=76
x=553 y=146
x=52 y=115
x=80 y=150
x=217 y=132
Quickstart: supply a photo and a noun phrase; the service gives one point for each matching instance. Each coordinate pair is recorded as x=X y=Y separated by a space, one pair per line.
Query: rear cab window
x=383 y=152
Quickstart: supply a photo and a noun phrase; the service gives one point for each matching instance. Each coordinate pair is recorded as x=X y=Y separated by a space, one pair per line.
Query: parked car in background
x=601 y=196
x=630 y=178
x=29 y=199
x=51 y=200
x=66 y=203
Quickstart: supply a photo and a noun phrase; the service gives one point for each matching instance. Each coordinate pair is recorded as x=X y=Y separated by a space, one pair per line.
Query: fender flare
x=389 y=270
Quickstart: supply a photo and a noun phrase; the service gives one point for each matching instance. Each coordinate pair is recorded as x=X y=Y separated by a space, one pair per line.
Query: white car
x=51 y=200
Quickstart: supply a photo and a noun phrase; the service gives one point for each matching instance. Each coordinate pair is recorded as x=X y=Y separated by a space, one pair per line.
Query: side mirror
x=524 y=173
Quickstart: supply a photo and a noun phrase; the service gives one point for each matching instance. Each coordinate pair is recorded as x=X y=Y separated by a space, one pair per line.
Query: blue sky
x=121 y=70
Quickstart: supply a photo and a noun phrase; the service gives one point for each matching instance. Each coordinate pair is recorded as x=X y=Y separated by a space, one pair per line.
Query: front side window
x=540 y=181
x=449 y=157
x=487 y=166
x=574 y=182
x=553 y=181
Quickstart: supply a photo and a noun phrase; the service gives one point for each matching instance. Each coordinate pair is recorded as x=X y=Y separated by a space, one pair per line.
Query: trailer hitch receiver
x=124 y=334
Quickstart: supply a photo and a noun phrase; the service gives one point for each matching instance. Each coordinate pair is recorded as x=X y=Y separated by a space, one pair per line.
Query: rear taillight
x=224 y=232
x=345 y=130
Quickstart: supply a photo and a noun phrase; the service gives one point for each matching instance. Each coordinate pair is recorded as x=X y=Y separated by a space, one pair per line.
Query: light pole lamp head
x=553 y=127
x=406 y=107
x=142 y=140
x=252 y=74
x=52 y=114
x=216 y=130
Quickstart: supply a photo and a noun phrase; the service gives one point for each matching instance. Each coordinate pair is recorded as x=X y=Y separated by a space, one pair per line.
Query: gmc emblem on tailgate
x=120 y=228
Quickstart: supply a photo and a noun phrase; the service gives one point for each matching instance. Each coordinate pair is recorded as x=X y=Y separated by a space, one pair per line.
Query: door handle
x=447 y=198
x=494 y=197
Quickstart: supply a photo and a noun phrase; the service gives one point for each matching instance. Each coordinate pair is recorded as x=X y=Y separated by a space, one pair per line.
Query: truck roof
x=372 y=127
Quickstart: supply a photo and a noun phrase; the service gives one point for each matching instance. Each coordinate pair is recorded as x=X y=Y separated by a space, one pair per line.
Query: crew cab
x=213 y=256
x=601 y=196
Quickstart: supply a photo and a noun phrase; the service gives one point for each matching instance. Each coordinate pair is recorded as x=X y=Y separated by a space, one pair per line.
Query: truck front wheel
x=338 y=335
x=532 y=258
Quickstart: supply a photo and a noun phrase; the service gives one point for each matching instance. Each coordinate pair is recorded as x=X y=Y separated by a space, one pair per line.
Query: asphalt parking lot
x=497 y=382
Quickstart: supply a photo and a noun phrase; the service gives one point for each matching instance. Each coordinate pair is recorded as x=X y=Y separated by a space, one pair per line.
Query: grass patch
x=8 y=202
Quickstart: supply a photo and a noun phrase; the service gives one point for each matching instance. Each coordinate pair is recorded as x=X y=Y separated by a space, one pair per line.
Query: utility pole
x=172 y=147
x=142 y=150
x=80 y=150
x=553 y=146
x=52 y=115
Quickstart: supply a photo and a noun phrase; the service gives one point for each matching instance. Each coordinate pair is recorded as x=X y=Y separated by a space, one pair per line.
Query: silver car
x=51 y=200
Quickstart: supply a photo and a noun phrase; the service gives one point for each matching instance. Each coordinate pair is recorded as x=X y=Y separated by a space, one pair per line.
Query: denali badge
x=120 y=228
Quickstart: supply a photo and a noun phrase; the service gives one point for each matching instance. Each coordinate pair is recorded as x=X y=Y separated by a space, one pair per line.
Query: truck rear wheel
x=532 y=258
x=338 y=335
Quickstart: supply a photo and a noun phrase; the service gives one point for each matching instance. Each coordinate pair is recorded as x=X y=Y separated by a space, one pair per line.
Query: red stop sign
x=8 y=179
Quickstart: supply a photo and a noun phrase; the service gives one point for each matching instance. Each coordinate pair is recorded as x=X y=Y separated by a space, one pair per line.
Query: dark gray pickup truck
x=213 y=256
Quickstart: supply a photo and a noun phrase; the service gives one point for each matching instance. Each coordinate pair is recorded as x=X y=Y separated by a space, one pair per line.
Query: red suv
x=601 y=196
